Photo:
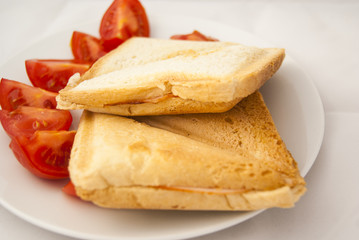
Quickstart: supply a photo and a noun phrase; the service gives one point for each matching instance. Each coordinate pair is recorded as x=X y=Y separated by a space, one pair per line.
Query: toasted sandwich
x=147 y=76
x=226 y=161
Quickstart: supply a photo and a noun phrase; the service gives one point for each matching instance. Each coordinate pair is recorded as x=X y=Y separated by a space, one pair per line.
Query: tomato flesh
x=69 y=189
x=194 y=36
x=26 y=120
x=123 y=20
x=53 y=75
x=14 y=94
x=46 y=154
x=86 y=48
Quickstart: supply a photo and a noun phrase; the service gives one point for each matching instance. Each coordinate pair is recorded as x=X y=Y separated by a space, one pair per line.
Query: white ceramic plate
x=290 y=95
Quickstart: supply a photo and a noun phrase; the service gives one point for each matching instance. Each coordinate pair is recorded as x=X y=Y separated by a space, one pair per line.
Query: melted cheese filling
x=150 y=100
x=204 y=190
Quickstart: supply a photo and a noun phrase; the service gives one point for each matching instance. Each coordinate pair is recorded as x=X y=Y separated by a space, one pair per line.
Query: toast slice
x=147 y=76
x=228 y=161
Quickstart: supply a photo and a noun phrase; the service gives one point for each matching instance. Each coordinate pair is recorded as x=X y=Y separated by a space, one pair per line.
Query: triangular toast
x=148 y=76
x=229 y=161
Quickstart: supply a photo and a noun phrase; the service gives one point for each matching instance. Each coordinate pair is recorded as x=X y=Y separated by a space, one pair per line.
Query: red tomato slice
x=53 y=75
x=46 y=153
x=194 y=36
x=14 y=94
x=86 y=48
x=122 y=20
x=69 y=189
x=26 y=120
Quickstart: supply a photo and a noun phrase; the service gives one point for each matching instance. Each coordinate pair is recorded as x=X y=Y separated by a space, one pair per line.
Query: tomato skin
x=22 y=157
x=53 y=75
x=123 y=20
x=111 y=44
x=194 y=36
x=26 y=120
x=86 y=48
x=45 y=154
x=14 y=94
x=69 y=189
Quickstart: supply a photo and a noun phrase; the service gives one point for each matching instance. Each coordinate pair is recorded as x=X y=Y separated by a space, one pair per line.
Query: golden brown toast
x=147 y=76
x=228 y=161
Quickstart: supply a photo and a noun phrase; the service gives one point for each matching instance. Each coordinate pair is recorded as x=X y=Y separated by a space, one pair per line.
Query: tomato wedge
x=53 y=75
x=26 y=120
x=194 y=36
x=46 y=153
x=14 y=94
x=86 y=48
x=69 y=189
x=122 y=20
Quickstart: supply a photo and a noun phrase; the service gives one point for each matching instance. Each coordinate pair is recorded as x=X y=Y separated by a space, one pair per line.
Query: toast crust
x=165 y=199
x=167 y=106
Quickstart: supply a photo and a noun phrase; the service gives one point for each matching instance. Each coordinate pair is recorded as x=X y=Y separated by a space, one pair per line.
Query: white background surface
x=322 y=36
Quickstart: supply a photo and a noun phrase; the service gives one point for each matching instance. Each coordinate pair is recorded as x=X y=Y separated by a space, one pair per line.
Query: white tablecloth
x=322 y=36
